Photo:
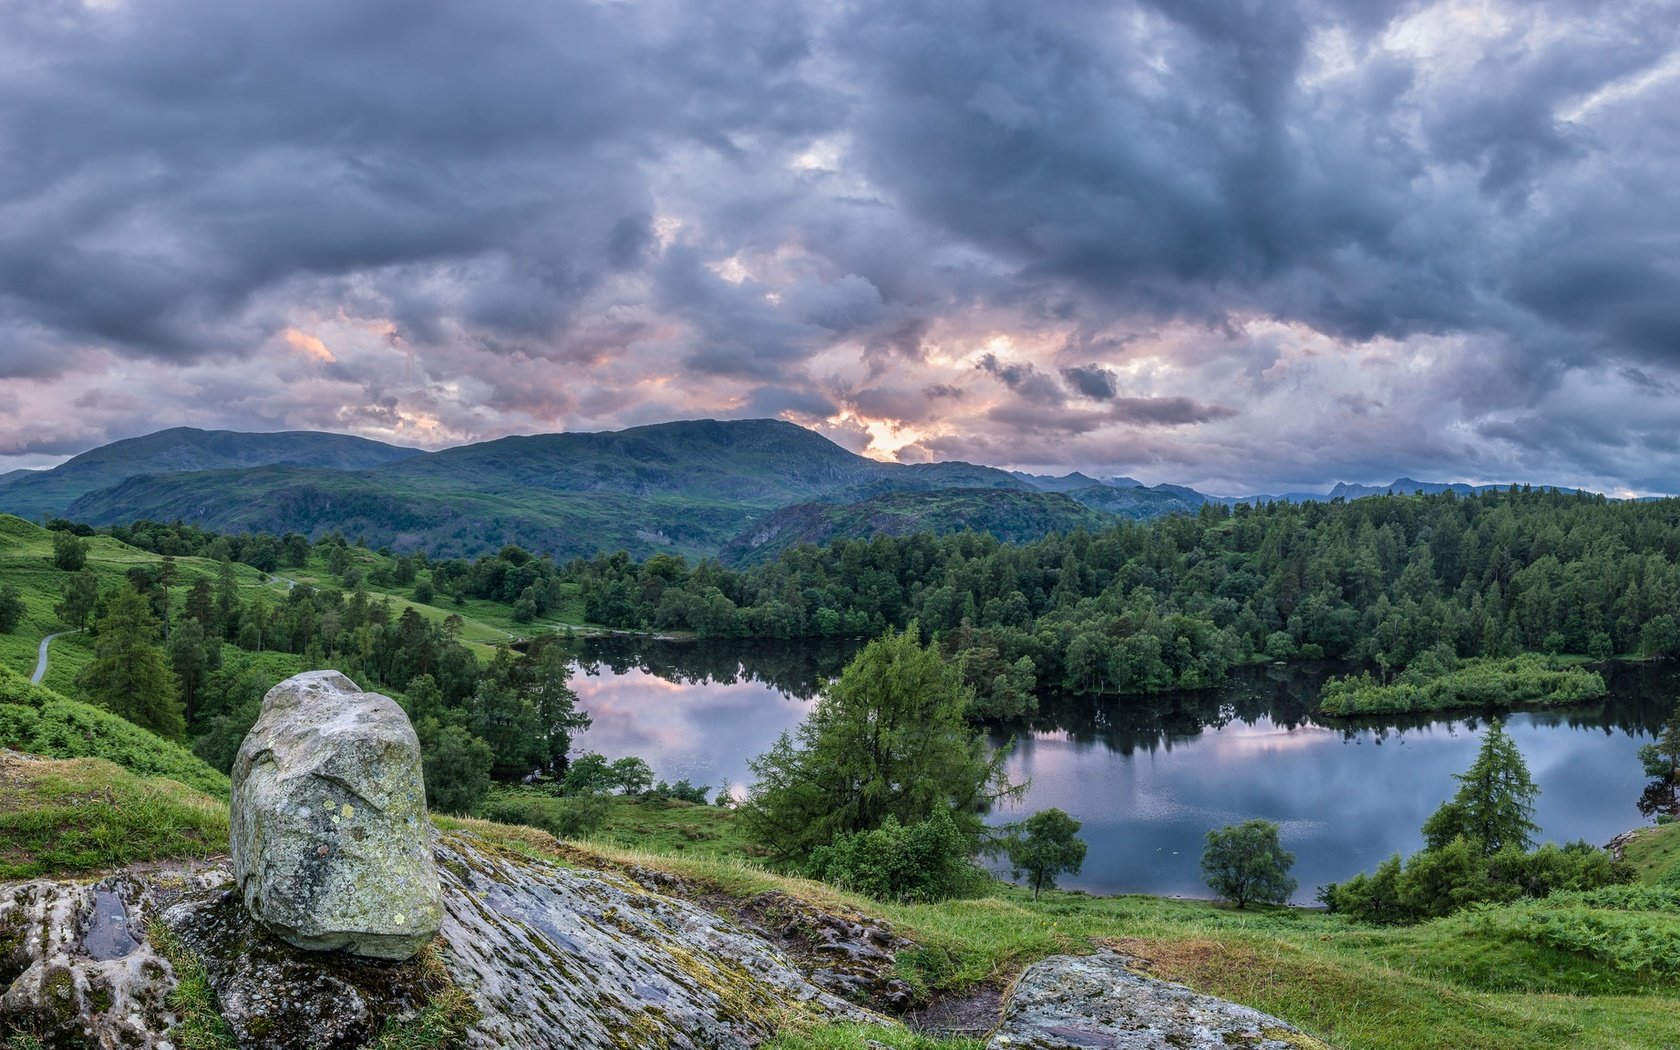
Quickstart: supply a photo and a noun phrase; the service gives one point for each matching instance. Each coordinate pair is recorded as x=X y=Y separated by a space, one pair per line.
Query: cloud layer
x=1239 y=245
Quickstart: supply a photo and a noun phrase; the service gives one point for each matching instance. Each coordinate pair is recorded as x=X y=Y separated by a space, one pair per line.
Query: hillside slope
x=36 y=493
x=686 y=487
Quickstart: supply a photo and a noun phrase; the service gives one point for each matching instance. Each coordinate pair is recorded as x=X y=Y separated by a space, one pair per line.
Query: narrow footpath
x=41 y=655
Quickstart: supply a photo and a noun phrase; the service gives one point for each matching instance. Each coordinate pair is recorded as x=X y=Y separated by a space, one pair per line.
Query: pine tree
x=129 y=675
x=1494 y=807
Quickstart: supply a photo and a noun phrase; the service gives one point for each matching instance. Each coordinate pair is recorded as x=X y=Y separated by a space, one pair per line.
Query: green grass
x=26 y=562
x=666 y=826
x=1653 y=851
x=63 y=817
x=865 y=1037
x=200 y=1026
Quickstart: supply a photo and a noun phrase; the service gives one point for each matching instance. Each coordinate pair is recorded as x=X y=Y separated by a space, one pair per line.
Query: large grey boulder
x=331 y=845
x=1076 y=1002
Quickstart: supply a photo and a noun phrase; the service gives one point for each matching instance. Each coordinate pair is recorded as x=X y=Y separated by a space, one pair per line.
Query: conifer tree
x=1494 y=807
x=129 y=675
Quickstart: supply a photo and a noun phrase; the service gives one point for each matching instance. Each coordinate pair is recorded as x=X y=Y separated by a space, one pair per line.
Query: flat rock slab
x=331 y=845
x=1072 y=1002
x=548 y=955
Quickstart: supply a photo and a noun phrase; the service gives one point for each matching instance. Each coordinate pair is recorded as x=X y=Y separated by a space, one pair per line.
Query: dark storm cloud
x=1166 y=411
x=1092 y=381
x=1357 y=221
x=1174 y=162
x=169 y=159
x=1023 y=379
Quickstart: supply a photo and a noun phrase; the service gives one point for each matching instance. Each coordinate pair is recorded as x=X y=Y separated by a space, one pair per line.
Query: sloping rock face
x=548 y=955
x=563 y=957
x=1071 y=1002
x=331 y=844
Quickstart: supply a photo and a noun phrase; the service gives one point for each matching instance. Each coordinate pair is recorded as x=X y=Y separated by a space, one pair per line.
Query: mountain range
x=742 y=490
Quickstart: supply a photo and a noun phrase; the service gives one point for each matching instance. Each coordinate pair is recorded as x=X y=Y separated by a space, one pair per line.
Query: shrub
x=925 y=861
x=566 y=818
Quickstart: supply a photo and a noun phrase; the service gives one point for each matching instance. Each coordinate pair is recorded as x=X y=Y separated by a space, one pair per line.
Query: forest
x=1439 y=584
x=1173 y=604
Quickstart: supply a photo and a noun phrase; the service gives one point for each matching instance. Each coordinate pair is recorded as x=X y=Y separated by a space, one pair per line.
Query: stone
x=1077 y=1002
x=331 y=844
x=535 y=953
x=77 y=967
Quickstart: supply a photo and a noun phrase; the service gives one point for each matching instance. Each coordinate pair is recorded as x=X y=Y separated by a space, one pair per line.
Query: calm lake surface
x=1150 y=776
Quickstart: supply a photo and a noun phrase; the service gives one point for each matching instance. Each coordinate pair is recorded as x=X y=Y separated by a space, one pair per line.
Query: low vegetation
x=38 y=720
x=1439 y=681
x=86 y=815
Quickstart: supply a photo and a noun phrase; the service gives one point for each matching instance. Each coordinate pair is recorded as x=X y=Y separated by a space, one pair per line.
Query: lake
x=1149 y=776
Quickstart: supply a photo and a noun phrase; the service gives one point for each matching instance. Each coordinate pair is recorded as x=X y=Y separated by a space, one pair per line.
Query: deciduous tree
x=1246 y=863
x=1045 y=845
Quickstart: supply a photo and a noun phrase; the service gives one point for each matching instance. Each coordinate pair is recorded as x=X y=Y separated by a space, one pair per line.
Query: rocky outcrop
x=539 y=954
x=77 y=968
x=331 y=846
x=1072 y=1002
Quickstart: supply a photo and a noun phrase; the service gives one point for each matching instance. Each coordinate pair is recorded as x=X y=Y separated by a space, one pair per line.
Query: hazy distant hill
x=1139 y=503
x=34 y=493
x=1012 y=516
x=687 y=487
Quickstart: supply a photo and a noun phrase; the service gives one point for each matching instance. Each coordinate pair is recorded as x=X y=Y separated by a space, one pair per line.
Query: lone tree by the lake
x=1494 y=807
x=886 y=738
x=1043 y=846
x=1245 y=863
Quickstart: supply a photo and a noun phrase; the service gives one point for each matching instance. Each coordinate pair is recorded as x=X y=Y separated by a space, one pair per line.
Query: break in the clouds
x=1241 y=245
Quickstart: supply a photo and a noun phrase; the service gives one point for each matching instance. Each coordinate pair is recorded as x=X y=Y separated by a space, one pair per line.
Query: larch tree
x=885 y=738
x=129 y=675
x=1494 y=807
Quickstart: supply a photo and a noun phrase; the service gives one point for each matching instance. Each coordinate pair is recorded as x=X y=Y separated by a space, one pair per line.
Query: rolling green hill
x=685 y=487
x=1009 y=515
x=33 y=494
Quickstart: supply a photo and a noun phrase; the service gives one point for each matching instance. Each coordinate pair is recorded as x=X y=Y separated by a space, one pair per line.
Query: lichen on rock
x=1074 y=1002
x=538 y=954
x=331 y=845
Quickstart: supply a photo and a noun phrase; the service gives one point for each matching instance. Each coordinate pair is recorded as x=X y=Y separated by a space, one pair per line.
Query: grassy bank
x=1529 y=975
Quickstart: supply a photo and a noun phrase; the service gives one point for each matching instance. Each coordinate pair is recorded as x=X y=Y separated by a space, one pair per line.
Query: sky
x=1247 y=245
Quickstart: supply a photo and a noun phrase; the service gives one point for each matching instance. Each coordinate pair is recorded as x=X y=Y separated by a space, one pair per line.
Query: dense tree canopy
x=1174 y=603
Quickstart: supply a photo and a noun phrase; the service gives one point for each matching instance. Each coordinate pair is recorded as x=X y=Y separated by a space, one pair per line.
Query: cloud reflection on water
x=1149 y=776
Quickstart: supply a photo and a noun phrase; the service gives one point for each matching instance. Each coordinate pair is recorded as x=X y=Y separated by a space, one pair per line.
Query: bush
x=1437 y=882
x=1435 y=685
x=566 y=818
x=925 y=861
